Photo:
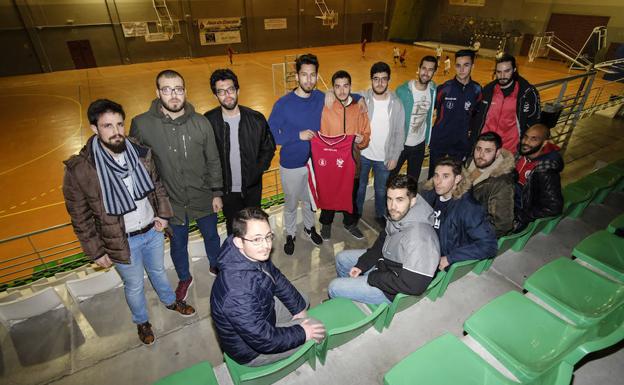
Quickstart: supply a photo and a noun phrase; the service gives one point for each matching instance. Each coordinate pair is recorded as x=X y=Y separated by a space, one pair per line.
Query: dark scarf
x=117 y=199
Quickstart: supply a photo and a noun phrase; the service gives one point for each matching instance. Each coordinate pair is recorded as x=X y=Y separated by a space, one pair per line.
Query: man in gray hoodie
x=386 y=116
x=403 y=259
x=186 y=156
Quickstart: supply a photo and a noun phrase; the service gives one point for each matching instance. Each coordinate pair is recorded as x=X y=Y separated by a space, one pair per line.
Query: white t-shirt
x=418 y=119
x=380 y=126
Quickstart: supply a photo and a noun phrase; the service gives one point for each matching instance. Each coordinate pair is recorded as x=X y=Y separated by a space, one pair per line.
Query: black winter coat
x=243 y=308
x=541 y=196
x=256 y=142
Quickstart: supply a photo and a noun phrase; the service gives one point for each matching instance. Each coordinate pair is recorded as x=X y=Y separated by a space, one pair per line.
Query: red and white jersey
x=331 y=171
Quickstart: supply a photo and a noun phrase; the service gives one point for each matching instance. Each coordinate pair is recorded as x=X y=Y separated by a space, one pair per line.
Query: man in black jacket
x=510 y=105
x=538 y=190
x=245 y=144
x=259 y=316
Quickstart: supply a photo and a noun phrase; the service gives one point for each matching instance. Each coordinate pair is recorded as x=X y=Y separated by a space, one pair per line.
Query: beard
x=170 y=108
x=485 y=164
x=382 y=92
x=305 y=89
x=530 y=150
x=116 y=148
x=229 y=106
x=421 y=80
x=505 y=82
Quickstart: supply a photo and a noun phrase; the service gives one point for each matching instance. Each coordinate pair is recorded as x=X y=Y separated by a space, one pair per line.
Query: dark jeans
x=234 y=202
x=349 y=220
x=414 y=155
x=435 y=156
x=179 y=244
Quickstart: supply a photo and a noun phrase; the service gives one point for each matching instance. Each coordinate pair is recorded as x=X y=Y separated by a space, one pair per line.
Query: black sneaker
x=289 y=246
x=326 y=232
x=313 y=235
x=355 y=231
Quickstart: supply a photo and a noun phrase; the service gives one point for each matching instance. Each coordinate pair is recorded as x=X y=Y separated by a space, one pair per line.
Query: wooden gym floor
x=46 y=115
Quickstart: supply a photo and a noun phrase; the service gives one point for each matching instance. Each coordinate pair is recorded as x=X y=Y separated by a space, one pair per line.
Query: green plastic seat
x=600 y=185
x=404 y=301
x=446 y=360
x=268 y=374
x=576 y=198
x=455 y=271
x=557 y=284
x=616 y=223
x=604 y=251
x=344 y=321
x=529 y=340
x=198 y=374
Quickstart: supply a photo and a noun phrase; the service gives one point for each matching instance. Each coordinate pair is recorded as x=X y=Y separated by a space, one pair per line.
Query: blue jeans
x=380 y=173
x=146 y=252
x=179 y=244
x=357 y=288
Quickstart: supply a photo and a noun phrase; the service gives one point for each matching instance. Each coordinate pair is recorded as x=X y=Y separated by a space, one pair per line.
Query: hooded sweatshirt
x=406 y=254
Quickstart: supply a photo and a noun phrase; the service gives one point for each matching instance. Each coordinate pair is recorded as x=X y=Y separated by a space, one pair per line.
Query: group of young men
x=492 y=172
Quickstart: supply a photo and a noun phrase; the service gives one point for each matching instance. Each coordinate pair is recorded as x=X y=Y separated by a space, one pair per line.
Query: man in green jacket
x=188 y=162
x=418 y=98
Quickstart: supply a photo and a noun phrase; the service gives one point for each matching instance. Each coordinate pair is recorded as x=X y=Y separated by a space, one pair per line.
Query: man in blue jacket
x=455 y=105
x=259 y=316
x=461 y=222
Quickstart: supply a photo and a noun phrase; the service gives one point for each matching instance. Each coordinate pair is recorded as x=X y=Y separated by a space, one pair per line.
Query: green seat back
x=344 y=321
x=604 y=251
x=268 y=374
x=198 y=374
x=557 y=284
x=455 y=271
x=523 y=336
x=404 y=301
x=576 y=198
x=616 y=223
x=446 y=360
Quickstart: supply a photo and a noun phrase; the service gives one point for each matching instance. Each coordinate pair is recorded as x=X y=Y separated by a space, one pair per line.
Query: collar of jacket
x=156 y=110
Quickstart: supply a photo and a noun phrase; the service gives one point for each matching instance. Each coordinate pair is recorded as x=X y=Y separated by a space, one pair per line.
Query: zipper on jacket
x=267 y=273
x=184 y=144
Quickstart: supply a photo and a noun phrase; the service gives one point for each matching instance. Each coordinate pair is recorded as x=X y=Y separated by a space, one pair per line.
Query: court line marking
x=33 y=209
x=79 y=130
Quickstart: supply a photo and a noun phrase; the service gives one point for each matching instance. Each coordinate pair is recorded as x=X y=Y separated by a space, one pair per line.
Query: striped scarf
x=117 y=198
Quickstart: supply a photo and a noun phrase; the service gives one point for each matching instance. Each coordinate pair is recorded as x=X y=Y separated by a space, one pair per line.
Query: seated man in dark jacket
x=538 y=189
x=460 y=221
x=258 y=314
x=404 y=257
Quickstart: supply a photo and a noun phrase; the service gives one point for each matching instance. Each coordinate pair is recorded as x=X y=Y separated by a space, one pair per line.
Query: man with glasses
x=259 y=316
x=386 y=116
x=188 y=162
x=245 y=144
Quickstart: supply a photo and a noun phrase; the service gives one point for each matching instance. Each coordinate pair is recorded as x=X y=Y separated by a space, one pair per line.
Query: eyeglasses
x=257 y=241
x=230 y=91
x=380 y=80
x=168 y=90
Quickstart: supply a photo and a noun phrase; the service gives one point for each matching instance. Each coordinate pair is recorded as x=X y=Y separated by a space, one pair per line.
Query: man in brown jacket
x=344 y=116
x=491 y=174
x=119 y=209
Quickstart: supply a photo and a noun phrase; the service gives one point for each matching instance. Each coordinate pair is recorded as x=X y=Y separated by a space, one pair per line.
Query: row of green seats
x=535 y=345
x=344 y=320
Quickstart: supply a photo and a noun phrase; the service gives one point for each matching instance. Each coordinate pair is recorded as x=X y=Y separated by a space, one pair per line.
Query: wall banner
x=225 y=30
